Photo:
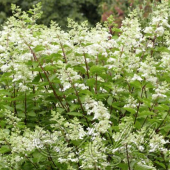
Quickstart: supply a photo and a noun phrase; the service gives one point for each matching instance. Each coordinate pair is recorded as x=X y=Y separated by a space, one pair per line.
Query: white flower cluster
x=23 y=143
x=68 y=77
x=148 y=71
x=75 y=130
x=96 y=107
x=131 y=102
x=160 y=91
x=159 y=22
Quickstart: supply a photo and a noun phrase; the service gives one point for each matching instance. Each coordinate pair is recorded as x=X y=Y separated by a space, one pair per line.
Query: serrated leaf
x=161 y=107
x=74 y=107
x=38 y=48
x=5 y=149
x=114 y=105
x=133 y=111
x=166 y=127
x=136 y=84
x=80 y=68
x=87 y=92
x=160 y=164
x=75 y=114
x=96 y=69
x=146 y=113
x=101 y=96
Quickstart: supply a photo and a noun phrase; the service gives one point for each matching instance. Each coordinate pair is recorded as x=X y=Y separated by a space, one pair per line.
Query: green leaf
x=96 y=69
x=166 y=127
x=80 y=69
x=74 y=107
x=31 y=12
x=137 y=124
x=101 y=96
x=142 y=167
x=91 y=82
x=146 y=113
x=37 y=157
x=149 y=85
x=146 y=102
x=133 y=111
x=60 y=110
x=87 y=92
x=162 y=49
x=161 y=107
x=35 y=64
x=27 y=166
x=52 y=77
x=86 y=44
x=160 y=164
x=21 y=115
x=75 y=114
x=32 y=114
x=9 y=108
x=89 y=117
x=20 y=107
x=110 y=100
x=36 y=79
x=2 y=115
x=116 y=106
x=123 y=166
x=5 y=149
x=2 y=123
x=38 y=48
x=136 y=84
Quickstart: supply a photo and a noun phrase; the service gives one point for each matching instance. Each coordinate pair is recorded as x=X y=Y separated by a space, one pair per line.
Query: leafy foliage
x=91 y=10
x=56 y=9
x=83 y=98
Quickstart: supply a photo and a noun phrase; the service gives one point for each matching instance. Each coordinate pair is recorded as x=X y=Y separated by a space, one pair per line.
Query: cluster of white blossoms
x=83 y=98
x=68 y=77
x=159 y=22
x=132 y=103
x=75 y=130
x=149 y=73
x=96 y=107
x=161 y=90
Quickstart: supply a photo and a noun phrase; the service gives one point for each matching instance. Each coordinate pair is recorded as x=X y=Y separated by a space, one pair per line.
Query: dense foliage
x=85 y=99
x=91 y=10
x=120 y=8
x=56 y=9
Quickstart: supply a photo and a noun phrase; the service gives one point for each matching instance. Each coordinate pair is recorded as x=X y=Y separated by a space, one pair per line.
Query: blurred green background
x=79 y=10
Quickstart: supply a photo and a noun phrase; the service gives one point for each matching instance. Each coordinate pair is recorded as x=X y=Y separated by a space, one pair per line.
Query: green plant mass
x=84 y=98
x=57 y=10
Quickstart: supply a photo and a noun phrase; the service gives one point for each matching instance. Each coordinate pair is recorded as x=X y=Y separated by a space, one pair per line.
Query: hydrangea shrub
x=85 y=99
